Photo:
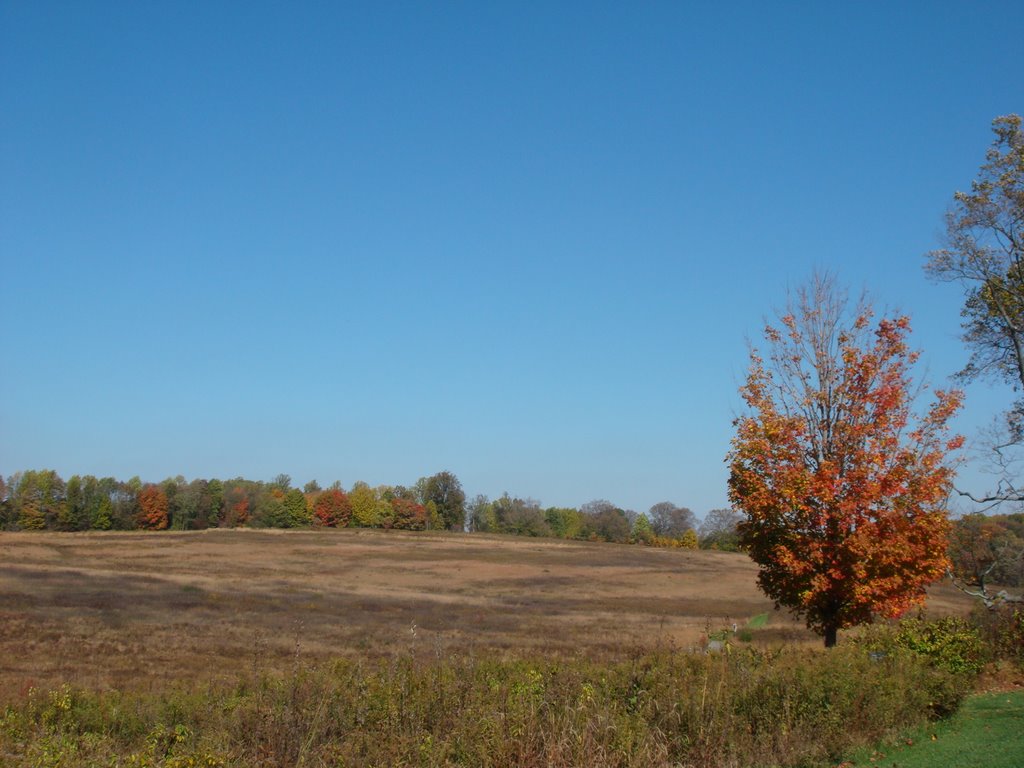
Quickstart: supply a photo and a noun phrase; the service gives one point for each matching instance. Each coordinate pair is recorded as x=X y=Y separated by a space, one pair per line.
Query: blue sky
x=522 y=242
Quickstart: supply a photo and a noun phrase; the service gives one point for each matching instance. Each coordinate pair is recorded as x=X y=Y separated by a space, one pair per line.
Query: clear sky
x=523 y=242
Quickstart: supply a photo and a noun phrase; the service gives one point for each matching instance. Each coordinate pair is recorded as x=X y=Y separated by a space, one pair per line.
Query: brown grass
x=136 y=610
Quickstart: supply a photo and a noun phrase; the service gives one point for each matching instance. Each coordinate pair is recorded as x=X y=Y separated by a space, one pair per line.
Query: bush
x=950 y=643
x=1002 y=629
x=655 y=709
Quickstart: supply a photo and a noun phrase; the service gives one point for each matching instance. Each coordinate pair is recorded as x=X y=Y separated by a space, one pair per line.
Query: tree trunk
x=830 y=636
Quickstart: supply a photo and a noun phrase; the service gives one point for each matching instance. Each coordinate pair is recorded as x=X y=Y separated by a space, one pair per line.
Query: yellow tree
x=843 y=488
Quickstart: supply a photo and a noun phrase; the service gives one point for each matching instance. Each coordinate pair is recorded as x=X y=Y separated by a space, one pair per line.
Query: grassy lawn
x=986 y=733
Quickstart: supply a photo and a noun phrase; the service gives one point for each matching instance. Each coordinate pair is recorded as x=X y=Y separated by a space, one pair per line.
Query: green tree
x=564 y=522
x=297 y=512
x=38 y=498
x=482 y=518
x=642 y=531
x=216 y=490
x=102 y=520
x=522 y=517
x=445 y=491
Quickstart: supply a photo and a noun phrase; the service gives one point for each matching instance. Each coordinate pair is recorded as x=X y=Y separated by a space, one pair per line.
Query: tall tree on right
x=984 y=253
x=842 y=486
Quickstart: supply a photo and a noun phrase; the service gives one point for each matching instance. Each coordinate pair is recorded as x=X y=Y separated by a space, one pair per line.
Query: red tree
x=842 y=488
x=332 y=508
x=152 y=508
x=407 y=515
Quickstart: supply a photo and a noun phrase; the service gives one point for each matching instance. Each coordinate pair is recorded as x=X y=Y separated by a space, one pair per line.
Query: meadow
x=368 y=647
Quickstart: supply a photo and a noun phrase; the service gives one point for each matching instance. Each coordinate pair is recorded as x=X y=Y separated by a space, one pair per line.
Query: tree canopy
x=984 y=253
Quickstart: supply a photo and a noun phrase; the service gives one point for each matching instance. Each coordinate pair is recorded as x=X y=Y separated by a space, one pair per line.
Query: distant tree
x=102 y=520
x=407 y=514
x=268 y=508
x=125 y=503
x=719 y=530
x=365 y=511
x=669 y=520
x=482 y=518
x=445 y=491
x=332 y=509
x=237 y=504
x=297 y=514
x=522 y=517
x=689 y=540
x=311 y=487
x=642 y=531
x=6 y=520
x=192 y=506
x=38 y=499
x=152 y=508
x=73 y=509
x=564 y=522
x=172 y=487
x=216 y=514
x=843 y=488
x=84 y=496
x=282 y=482
x=604 y=521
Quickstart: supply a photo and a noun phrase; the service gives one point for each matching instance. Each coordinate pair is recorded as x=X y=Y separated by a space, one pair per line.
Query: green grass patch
x=758 y=621
x=985 y=733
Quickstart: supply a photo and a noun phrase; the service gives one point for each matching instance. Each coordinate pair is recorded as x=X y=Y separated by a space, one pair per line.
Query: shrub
x=655 y=709
x=1002 y=629
x=950 y=643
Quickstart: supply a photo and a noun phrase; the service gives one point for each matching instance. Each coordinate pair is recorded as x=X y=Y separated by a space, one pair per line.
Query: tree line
x=42 y=500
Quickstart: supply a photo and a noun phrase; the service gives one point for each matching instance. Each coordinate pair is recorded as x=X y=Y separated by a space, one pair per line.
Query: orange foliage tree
x=152 y=508
x=842 y=486
x=332 y=508
x=407 y=515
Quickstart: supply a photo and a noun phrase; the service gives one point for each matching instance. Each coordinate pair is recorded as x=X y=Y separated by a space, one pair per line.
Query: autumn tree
x=842 y=486
x=237 y=503
x=153 y=506
x=296 y=510
x=406 y=514
x=332 y=508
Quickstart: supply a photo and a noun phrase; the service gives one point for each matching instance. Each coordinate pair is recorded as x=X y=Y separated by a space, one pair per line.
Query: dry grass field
x=138 y=610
